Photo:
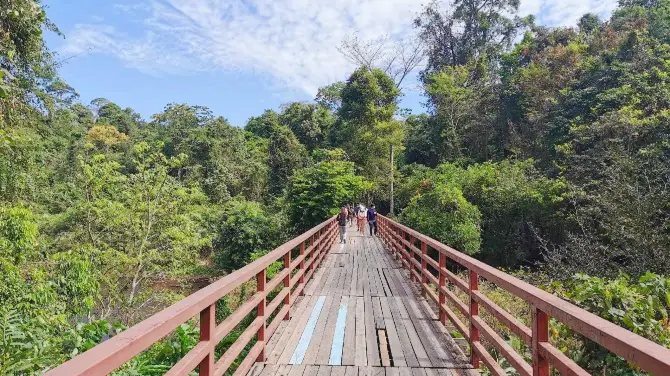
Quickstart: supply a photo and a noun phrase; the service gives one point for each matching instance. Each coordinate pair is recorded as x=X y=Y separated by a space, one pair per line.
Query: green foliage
x=441 y=211
x=18 y=233
x=499 y=208
x=310 y=123
x=639 y=306
x=245 y=229
x=316 y=193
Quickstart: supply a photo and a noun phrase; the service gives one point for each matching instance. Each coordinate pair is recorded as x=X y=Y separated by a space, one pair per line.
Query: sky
x=237 y=57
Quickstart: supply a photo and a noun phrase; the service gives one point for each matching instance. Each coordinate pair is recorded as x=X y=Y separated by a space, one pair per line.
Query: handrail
x=638 y=350
x=113 y=353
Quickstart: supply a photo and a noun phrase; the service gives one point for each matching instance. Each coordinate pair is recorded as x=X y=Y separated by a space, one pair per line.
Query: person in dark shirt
x=342 y=221
x=372 y=220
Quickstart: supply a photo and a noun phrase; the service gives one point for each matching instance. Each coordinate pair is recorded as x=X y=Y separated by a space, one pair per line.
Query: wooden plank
x=323 y=354
x=404 y=371
x=256 y=369
x=297 y=370
x=378 y=371
x=298 y=355
x=361 y=352
x=383 y=348
x=365 y=282
x=324 y=371
x=284 y=369
x=397 y=353
x=392 y=371
x=270 y=370
x=349 y=351
x=351 y=371
x=276 y=337
x=285 y=335
x=418 y=372
x=310 y=370
x=417 y=346
x=384 y=283
x=389 y=277
x=405 y=342
x=370 y=334
x=292 y=341
x=423 y=332
x=313 y=349
x=378 y=315
x=337 y=347
x=338 y=371
x=365 y=371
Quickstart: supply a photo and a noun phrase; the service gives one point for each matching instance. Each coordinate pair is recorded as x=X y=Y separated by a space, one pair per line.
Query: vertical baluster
x=260 y=283
x=424 y=279
x=411 y=257
x=540 y=334
x=302 y=268
x=207 y=326
x=443 y=284
x=474 y=311
x=287 y=284
x=401 y=243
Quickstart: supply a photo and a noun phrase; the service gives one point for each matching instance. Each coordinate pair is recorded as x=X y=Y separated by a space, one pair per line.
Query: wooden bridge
x=386 y=306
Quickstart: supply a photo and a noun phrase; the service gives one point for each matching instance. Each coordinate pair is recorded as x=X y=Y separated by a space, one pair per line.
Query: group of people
x=361 y=214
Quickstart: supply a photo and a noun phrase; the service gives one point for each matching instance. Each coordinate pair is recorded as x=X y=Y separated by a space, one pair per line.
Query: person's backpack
x=342 y=219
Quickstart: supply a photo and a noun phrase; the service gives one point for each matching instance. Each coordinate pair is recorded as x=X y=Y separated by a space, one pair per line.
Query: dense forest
x=544 y=151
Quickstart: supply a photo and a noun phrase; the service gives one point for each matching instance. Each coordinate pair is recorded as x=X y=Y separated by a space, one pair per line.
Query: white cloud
x=291 y=42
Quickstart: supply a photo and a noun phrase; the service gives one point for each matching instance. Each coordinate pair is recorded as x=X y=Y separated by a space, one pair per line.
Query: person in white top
x=362 y=217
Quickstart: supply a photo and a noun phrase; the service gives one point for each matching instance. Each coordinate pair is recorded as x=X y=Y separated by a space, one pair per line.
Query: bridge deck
x=361 y=315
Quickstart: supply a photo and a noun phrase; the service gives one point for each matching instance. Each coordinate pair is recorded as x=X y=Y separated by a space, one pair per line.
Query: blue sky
x=237 y=57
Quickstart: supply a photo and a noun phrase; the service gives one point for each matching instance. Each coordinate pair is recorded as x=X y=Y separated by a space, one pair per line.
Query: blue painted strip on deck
x=338 y=340
x=300 y=350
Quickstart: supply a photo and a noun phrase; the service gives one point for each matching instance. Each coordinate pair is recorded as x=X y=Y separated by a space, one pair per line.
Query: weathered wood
x=361 y=350
x=349 y=350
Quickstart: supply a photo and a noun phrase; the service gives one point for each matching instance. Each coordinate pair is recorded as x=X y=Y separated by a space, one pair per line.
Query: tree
x=316 y=193
x=366 y=127
x=471 y=30
x=441 y=211
x=285 y=155
x=261 y=126
x=245 y=229
x=330 y=96
x=395 y=58
x=310 y=123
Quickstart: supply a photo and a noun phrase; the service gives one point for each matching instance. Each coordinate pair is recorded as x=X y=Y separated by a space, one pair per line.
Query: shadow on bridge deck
x=361 y=316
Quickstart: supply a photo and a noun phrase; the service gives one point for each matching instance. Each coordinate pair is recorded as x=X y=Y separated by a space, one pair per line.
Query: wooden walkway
x=361 y=316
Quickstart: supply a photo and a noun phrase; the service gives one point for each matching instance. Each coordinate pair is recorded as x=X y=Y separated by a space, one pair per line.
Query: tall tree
x=469 y=30
x=309 y=122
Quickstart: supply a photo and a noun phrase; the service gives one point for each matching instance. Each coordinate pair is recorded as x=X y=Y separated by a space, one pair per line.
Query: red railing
x=113 y=353
x=402 y=241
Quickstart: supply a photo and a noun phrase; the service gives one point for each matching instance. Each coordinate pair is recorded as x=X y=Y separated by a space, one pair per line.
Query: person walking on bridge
x=372 y=220
x=350 y=213
x=362 y=214
x=342 y=221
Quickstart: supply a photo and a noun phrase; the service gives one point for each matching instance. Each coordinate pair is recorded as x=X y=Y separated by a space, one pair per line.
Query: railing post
x=207 y=326
x=443 y=284
x=397 y=249
x=403 y=254
x=424 y=279
x=287 y=284
x=474 y=311
x=260 y=335
x=411 y=257
x=540 y=334
x=302 y=268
